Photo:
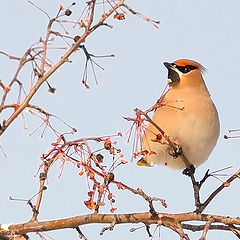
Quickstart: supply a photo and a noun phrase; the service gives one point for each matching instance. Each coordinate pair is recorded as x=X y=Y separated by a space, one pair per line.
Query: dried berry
x=110 y=196
x=100 y=189
x=109 y=177
x=159 y=137
x=107 y=145
x=113 y=210
x=119 y=16
x=68 y=12
x=99 y=157
x=111 y=150
x=76 y=38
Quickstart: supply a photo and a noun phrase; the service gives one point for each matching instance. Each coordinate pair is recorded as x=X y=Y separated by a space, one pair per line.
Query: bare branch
x=145 y=217
x=81 y=235
x=235 y=230
x=110 y=227
x=218 y=190
x=205 y=230
x=44 y=76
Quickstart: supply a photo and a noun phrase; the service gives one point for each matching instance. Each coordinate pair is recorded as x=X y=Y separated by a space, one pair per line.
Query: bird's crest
x=185 y=62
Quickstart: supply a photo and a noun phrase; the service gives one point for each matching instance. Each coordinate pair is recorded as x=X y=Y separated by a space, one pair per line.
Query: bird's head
x=184 y=73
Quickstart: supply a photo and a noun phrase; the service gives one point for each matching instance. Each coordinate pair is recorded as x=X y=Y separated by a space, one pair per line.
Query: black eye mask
x=185 y=69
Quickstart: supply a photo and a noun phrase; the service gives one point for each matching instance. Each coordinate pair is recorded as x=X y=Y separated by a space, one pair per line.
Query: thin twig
x=42 y=179
x=92 y=2
x=22 y=62
x=218 y=190
x=235 y=230
x=10 y=56
x=45 y=44
x=198 y=228
x=110 y=227
x=205 y=230
x=46 y=75
x=81 y=235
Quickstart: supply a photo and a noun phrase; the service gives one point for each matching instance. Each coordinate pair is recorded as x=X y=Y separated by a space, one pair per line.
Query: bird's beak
x=173 y=76
x=167 y=65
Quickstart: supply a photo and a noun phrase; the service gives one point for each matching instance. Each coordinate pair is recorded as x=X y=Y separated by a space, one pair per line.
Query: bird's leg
x=189 y=171
x=176 y=152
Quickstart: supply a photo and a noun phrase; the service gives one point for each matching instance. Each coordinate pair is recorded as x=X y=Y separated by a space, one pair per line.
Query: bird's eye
x=185 y=69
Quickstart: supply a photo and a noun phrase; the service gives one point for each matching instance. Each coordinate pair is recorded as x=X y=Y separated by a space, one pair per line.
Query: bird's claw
x=189 y=171
x=176 y=152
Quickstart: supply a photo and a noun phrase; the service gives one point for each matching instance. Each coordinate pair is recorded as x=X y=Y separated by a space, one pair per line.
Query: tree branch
x=218 y=190
x=164 y=219
x=63 y=59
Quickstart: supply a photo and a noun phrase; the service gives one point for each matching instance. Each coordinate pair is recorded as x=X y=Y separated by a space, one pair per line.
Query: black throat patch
x=173 y=76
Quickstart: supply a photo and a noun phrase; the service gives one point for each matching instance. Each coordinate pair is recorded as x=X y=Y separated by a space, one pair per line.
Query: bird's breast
x=191 y=120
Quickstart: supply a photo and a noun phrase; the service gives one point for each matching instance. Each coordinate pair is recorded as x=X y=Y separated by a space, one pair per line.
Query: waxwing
x=188 y=117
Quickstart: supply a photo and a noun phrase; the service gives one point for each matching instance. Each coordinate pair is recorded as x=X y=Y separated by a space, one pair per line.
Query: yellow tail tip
x=144 y=163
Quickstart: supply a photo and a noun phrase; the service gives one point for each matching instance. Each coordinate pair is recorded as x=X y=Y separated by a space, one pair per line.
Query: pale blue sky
x=206 y=31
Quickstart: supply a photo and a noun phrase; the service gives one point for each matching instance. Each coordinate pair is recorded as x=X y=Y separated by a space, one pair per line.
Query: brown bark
x=167 y=220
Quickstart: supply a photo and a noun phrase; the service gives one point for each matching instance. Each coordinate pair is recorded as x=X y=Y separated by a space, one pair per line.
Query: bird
x=187 y=117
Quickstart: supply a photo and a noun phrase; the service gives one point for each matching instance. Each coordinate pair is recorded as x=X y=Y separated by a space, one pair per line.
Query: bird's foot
x=189 y=171
x=176 y=152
